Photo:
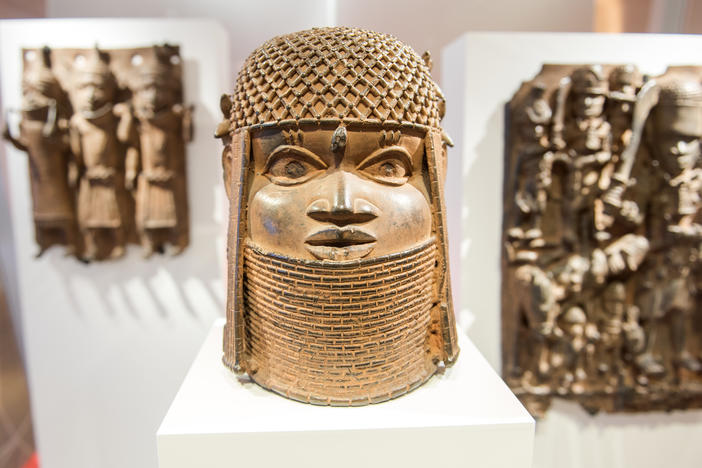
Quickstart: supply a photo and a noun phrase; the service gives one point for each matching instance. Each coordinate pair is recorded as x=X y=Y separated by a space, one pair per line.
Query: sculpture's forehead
x=318 y=139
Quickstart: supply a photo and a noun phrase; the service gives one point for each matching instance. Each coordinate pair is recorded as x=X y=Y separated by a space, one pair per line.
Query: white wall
x=248 y=22
x=486 y=69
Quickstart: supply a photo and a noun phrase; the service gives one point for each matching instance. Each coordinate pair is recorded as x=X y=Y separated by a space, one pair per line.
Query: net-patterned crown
x=336 y=73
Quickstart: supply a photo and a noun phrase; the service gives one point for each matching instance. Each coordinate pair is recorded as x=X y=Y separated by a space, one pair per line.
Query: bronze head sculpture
x=334 y=161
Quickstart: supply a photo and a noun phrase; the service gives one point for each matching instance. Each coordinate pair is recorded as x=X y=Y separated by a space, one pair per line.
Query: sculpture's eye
x=388 y=166
x=292 y=165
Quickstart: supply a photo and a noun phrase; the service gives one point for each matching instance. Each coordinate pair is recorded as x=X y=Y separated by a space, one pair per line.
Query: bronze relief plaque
x=105 y=133
x=334 y=164
x=602 y=241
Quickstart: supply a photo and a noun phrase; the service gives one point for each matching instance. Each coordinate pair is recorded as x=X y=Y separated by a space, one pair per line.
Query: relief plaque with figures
x=602 y=239
x=105 y=134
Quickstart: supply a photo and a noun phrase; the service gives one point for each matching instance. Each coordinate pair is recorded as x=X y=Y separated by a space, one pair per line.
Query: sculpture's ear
x=442 y=311
x=236 y=170
x=227 y=169
x=223 y=132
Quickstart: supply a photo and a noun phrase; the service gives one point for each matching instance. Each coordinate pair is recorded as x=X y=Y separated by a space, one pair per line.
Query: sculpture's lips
x=343 y=237
x=340 y=244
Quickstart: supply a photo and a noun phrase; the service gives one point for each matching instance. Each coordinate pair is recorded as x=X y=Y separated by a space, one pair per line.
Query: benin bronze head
x=334 y=165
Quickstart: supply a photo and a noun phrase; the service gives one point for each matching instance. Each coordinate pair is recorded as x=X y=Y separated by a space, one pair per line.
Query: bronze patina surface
x=602 y=239
x=334 y=164
x=105 y=132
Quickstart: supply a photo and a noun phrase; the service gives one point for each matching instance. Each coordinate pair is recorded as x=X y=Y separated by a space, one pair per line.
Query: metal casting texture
x=105 y=133
x=602 y=239
x=334 y=163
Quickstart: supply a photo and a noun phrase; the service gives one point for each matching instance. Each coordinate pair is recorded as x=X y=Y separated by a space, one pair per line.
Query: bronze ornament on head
x=338 y=290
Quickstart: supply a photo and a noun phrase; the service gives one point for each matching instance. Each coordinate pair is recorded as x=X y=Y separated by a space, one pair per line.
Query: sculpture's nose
x=340 y=205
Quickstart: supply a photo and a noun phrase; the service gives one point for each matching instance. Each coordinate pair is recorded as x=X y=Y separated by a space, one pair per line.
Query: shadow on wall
x=481 y=221
x=189 y=285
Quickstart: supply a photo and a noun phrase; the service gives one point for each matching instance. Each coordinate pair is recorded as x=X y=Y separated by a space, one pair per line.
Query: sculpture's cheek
x=405 y=219
x=277 y=220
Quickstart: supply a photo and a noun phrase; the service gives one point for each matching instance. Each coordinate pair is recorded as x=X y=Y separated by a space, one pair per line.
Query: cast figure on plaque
x=625 y=81
x=156 y=156
x=43 y=135
x=587 y=137
x=532 y=171
x=94 y=129
x=673 y=221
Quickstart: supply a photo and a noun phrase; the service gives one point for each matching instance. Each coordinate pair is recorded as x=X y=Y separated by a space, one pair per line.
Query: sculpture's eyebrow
x=287 y=150
x=382 y=153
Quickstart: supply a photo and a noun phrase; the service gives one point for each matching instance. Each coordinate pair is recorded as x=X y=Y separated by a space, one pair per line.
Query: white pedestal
x=465 y=417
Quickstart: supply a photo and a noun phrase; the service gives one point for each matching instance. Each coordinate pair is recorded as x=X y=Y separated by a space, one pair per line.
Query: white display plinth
x=465 y=417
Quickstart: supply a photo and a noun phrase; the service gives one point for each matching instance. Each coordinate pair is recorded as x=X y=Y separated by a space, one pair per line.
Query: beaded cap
x=338 y=73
